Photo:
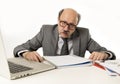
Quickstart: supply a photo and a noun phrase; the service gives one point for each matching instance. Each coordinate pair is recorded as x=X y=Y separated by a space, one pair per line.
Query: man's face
x=67 y=23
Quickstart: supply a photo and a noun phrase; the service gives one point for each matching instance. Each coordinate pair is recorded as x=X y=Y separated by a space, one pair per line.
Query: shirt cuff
x=22 y=51
x=110 y=55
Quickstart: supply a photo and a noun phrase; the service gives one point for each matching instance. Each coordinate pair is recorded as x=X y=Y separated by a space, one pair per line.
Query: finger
x=92 y=55
x=31 y=56
x=38 y=57
x=35 y=58
x=41 y=58
x=99 y=56
x=95 y=56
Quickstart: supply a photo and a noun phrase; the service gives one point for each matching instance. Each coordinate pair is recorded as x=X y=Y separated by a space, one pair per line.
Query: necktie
x=64 y=50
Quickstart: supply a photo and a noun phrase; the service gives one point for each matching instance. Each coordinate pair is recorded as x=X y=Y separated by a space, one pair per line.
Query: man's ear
x=79 y=18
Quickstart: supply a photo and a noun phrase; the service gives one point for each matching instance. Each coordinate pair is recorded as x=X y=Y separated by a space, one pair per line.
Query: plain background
x=20 y=20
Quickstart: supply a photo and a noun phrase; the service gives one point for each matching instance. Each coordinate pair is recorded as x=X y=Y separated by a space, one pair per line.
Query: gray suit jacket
x=48 y=36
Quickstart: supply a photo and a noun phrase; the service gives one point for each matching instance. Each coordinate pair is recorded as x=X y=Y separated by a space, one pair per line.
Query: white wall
x=20 y=20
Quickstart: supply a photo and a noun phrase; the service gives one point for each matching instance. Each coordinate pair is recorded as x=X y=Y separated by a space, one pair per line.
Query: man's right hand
x=32 y=56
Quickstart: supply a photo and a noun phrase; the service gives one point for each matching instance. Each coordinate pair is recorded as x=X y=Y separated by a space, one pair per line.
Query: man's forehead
x=69 y=15
x=69 y=12
x=69 y=9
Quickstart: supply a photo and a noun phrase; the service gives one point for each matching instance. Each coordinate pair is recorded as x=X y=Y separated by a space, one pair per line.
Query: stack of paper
x=68 y=60
x=112 y=67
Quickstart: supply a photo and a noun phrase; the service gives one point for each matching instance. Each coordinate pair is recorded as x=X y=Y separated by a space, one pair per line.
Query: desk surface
x=68 y=75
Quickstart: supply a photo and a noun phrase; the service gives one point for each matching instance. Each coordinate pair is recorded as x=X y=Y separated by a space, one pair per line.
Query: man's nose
x=66 y=28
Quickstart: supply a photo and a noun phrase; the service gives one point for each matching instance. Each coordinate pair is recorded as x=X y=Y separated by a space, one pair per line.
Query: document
x=112 y=67
x=68 y=60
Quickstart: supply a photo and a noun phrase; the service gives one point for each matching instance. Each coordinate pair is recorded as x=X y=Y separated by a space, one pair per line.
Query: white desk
x=69 y=75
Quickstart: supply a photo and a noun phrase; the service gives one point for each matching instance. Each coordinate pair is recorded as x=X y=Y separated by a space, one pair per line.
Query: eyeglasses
x=64 y=24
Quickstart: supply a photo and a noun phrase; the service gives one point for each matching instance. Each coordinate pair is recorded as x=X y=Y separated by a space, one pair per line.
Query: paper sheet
x=113 y=65
x=68 y=60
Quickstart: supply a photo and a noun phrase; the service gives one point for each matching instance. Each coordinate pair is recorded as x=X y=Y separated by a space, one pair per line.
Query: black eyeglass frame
x=64 y=24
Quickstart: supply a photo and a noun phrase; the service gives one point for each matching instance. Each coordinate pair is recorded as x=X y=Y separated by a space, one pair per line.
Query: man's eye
x=64 y=22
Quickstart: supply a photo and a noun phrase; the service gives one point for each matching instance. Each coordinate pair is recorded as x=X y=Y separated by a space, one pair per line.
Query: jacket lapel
x=76 y=43
x=54 y=41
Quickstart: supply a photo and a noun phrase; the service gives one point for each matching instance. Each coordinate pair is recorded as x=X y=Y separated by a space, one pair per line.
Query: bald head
x=68 y=19
x=70 y=14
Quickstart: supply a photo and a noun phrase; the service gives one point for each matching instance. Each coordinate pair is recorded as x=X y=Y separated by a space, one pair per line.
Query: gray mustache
x=65 y=31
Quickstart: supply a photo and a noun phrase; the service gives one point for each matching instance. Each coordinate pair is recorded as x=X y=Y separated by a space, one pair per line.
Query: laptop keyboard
x=15 y=68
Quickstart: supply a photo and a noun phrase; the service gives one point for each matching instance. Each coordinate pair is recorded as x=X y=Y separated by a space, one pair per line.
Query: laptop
x=18 y=67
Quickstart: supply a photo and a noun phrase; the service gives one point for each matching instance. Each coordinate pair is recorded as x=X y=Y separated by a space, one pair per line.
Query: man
x=52 y=38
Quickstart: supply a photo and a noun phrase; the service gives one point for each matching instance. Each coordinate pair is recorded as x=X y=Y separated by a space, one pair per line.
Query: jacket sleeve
x=94 y=46
x=32 y=44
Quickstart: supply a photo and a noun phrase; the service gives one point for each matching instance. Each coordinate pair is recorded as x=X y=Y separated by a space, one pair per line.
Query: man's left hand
x=98 y=56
